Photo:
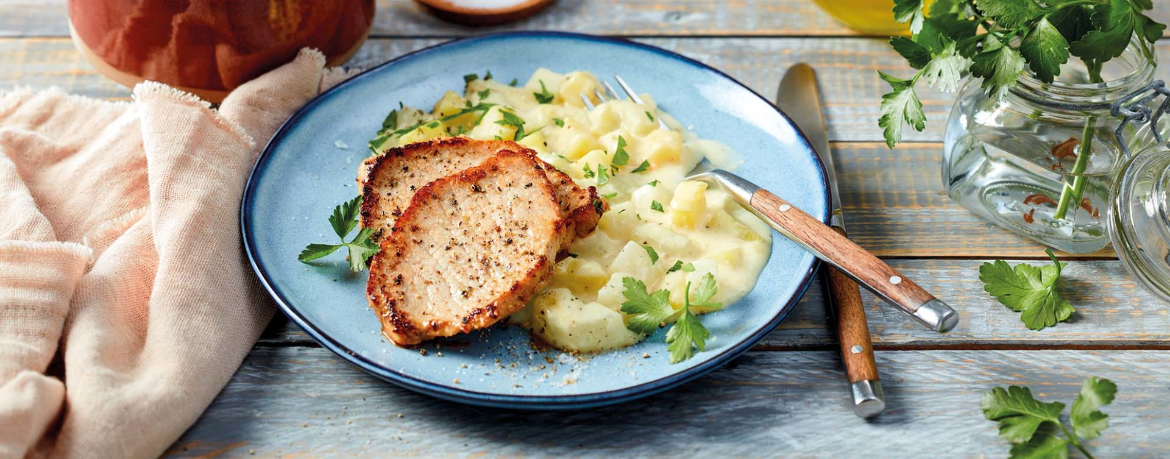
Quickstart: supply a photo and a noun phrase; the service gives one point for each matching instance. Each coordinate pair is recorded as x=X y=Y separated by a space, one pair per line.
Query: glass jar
x=210 y=47
x=1139 y=219
x=1019 y=161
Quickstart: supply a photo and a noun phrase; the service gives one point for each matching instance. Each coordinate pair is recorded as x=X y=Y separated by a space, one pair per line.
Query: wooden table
x=787 y=397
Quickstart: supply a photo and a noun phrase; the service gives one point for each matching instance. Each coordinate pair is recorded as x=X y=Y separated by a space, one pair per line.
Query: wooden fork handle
x=860 y=265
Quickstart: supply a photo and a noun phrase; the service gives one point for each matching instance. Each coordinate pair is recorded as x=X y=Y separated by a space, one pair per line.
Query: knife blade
x=800 y=99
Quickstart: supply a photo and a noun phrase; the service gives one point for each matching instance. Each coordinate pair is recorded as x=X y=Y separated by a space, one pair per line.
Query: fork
x=813 y=235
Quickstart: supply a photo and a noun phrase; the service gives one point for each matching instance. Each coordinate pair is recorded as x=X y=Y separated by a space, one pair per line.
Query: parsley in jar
x=661 y=230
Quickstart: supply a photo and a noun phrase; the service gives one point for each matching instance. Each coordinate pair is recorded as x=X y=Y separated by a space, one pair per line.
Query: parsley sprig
x=543 y=97
x=1028 y=290
x=1034 y=427
x=650 y=311
x=994 y=40
x=343 y=220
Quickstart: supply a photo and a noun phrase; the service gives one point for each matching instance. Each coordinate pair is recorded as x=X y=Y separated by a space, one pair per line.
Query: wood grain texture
x=1113 y=312
x=304 y=402
x=847 y=316
x=845 y=66
x=399 y=18
x=871 y=272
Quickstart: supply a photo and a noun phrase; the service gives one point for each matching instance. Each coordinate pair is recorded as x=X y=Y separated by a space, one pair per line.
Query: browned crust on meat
x=397 y=323
x=581 y=212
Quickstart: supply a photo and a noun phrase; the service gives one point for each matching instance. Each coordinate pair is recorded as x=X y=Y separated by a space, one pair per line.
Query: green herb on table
x=995 y=40
x=343 y=221
x=1029 y=290
x=650 y=311
x=1034 y=428
x=543 y=97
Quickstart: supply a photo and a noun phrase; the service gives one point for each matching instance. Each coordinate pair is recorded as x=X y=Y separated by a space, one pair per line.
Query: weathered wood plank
x=846 y=68
x=405 y=18
x=1113 y=312
x=304 y=402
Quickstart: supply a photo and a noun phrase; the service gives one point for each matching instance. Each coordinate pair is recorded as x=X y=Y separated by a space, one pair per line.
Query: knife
x=800 y=99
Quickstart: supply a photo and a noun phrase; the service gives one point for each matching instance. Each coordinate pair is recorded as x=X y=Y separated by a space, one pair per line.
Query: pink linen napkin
x=125 y=301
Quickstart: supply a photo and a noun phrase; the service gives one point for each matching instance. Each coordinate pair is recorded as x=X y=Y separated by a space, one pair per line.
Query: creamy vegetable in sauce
x=660 y=229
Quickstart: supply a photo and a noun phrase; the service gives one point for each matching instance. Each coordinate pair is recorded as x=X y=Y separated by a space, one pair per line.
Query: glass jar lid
x=1139 y=218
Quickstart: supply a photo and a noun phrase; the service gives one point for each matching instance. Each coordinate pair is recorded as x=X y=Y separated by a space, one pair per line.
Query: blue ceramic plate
x=303 y=174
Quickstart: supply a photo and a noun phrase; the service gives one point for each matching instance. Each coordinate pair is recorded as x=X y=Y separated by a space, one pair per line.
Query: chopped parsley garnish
x=391 y=121
x=487 y=75
x=653 y=254
x=513 y=82
x=588 y=172
x=480 y=107
x=602 y=175
x=642 y=167
x=343 y=221
x=648 y=115
x=433 y=124
x=559 y=122
x=609 y=196
x=470 y=77
x=620 y=157
x=655 y=205
x=654 y=183
x=680 y=266
x=483 y=94
x=543 y=96
x=511 y=119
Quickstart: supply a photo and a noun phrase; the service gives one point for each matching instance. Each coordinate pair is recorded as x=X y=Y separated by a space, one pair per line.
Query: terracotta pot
x=210 y=47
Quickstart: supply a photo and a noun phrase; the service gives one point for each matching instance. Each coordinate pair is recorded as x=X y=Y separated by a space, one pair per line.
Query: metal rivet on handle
x=856 y=349
x=895 y=280
x=785 y=207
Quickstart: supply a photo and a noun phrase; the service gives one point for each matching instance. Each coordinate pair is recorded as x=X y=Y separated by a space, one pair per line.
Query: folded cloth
x=125 y=301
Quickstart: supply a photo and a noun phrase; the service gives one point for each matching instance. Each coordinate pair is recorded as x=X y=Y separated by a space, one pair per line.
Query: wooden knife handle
x=852 y=328
x=856 y=262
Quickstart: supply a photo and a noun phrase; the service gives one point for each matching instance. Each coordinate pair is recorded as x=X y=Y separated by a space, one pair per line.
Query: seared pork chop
x=469 y=250
x=388 y=181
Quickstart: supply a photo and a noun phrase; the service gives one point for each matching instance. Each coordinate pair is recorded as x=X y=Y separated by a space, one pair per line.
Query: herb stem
x=1070 y=195
x=1075 y=441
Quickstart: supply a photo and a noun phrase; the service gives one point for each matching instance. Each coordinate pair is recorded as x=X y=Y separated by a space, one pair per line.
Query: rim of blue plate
x=531 y=402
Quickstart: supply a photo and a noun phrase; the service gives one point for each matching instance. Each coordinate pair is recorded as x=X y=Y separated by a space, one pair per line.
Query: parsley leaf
x=620 y=157
x=1018 y=413
x=543 y=96
x=678 y=264
x=653 y=254
x=914 y=53
x=688 y=333
x=1029 y=290
x=470 y=77
x=559 y=122
x=1034 y=427
x=602 y=175
x=343 y=220
x=483 y=94
x=391 y=121
x=946 y=68
x=648 y=311
x=909 y=11
x=999 y=67
x=900 y=106
x=513 y=82
x=510 y=119
x=1087 y=420
x=642 y=167
x=588 y=173
x=1045 y=49
x=654 y=182
x=651 y=117
x=1009 y=13
x=655 y=205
